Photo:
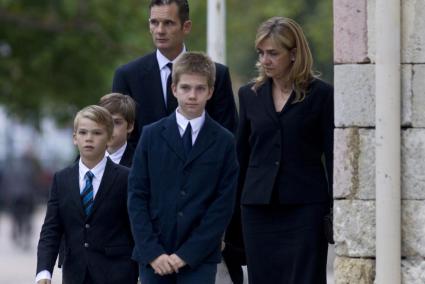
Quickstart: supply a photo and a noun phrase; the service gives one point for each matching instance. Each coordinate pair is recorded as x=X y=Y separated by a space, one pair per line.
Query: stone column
x=354 y=174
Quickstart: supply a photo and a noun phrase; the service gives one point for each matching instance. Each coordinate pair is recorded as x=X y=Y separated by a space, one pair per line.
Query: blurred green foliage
x=59 y=55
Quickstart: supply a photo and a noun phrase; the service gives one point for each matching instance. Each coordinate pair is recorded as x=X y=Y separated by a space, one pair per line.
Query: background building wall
x=354 y=174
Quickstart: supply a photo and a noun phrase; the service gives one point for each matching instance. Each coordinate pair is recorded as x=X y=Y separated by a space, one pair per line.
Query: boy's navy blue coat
x=177 y=204
x=100 y=243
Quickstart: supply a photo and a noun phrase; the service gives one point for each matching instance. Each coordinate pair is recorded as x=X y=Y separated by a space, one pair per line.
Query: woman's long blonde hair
x=286 y=33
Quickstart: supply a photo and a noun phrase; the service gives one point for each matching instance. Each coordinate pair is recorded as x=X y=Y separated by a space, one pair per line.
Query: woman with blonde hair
x=285 y=145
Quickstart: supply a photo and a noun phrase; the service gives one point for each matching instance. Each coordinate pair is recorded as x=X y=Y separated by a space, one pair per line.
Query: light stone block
x=418 y=93
x=354 y=163
x=413 y=228
x=350 y=31
x=412 y=31
x=354 y=95
x=354 y=270
x=354 y=228
x=412 y=163
x=413 y=271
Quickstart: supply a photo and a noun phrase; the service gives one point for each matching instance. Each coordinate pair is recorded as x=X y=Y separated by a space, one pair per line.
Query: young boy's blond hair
x=194 y=63
x=117 y=103
x=98 y=114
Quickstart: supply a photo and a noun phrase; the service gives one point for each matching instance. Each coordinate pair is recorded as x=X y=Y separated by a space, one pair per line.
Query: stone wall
x=354 y=174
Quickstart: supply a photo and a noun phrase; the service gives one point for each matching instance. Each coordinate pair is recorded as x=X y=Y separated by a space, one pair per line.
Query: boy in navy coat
x=182 y=185
x=87 y=206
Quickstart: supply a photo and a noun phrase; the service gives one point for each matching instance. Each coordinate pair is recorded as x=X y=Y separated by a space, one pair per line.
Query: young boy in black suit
x=123 y=111
x=182 y=184
x=87 y=206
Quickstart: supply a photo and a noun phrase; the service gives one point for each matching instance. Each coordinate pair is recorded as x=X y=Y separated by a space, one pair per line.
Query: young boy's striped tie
x=87 y=193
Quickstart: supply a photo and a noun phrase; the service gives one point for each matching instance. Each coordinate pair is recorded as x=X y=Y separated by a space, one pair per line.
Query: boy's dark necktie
x=187 y=139
x=171 y=100
x=87 y=193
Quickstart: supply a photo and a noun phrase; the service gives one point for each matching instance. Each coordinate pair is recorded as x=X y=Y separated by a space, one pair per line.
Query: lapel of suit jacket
x=206 y=138
x=105 y=185
x=264 y=93
x=74 y=183
x=127 y=156
x=153 y=81
x=171 y=135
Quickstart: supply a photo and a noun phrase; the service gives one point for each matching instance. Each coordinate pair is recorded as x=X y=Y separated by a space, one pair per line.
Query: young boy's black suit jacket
x=100 y=243
x=141 y=80
x=127 y=157
x=177 y=204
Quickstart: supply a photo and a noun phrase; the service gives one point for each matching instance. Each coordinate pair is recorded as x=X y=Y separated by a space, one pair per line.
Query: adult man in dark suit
x=182 y=185
x=145 y=79
x=88 y=207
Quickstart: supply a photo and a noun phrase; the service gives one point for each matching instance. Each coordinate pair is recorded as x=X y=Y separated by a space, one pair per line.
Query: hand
x=162 y=265
x=176 y=262
x=44 y=281
x=223 y=245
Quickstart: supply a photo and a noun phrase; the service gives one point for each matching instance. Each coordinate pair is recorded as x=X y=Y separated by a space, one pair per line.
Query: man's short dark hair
x=182 y=5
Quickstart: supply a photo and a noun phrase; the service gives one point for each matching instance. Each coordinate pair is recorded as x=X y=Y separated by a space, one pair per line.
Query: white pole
x=216 y=30
x=388 y=201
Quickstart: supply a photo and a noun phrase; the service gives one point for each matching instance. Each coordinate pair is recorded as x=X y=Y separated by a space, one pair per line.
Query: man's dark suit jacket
x=297 y=147
x=141 y=80
x=100 y=243
x=177 y=204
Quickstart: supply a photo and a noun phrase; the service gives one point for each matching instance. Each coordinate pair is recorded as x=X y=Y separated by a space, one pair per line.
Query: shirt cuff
x=44 y=274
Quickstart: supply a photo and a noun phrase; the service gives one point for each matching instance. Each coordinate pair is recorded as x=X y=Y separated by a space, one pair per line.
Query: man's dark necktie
x=87 y=193
x=171 y=100
x=187 y=139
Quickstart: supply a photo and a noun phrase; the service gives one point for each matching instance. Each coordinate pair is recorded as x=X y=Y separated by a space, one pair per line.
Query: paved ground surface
x=18 y=265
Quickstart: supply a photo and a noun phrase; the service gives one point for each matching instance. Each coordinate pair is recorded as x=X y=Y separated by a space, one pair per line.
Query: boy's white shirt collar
x=117 y=155
x=195 y=123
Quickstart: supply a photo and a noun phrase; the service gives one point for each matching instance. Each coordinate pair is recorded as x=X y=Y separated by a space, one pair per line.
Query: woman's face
x=275 y=60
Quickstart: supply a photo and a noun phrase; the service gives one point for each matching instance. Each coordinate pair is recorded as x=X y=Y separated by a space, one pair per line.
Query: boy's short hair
x=117 y=103
x=98 y=114
x=194 y=63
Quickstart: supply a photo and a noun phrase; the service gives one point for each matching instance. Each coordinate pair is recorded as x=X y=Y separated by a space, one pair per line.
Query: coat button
x=86 y=245
x=277 y=163
x=180 y=214
x=182 y=193
x=87 y=226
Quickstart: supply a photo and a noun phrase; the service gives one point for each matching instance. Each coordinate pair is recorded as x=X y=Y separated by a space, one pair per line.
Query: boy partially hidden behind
x=87 y=206
x=123 y=111
x=182 y=184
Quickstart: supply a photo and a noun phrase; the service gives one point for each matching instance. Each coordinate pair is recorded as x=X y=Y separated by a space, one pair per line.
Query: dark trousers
x=88 y=279
x=233 y=266
x=203 y=274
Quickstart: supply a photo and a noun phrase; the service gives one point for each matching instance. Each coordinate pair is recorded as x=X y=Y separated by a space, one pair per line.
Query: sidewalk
x=18 y=266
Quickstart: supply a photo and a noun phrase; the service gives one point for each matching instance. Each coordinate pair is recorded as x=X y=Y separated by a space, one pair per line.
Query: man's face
x=192 y=93
x=167 y=31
